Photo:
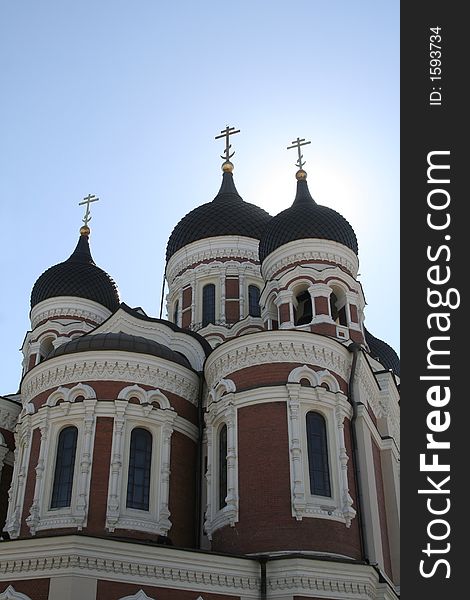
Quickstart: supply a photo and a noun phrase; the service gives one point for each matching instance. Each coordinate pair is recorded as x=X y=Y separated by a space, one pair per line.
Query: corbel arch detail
x=71 y=394
x=144 y=396
x=315 y=378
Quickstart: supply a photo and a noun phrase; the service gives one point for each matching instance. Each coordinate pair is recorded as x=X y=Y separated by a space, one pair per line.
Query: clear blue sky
x=123 y=99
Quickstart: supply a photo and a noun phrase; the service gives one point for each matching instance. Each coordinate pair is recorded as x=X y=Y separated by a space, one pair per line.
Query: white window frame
x=51 y=419
x=159 y=422
x=333 y=405
x=221 y=411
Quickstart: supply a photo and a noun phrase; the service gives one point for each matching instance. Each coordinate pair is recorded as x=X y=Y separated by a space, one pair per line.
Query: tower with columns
x=246 y=447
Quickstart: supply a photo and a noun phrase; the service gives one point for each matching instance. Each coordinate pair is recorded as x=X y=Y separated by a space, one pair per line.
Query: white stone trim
x=260 y=349
x=227 y=246
x=70 y=394
x=111 y=365
x=51 y=421
x=315 y=378
x=140 y=595
x=179 y=341
x=221 y=412
x=70 y=306
x=11 y=594
x=18 y=482
x=9 y=412
x=125 y=562
x=311 y=250
x=334 y=407
x=160 y=423
x=172 y=568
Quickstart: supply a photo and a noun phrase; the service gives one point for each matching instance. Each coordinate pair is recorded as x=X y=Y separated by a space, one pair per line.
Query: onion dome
x=384 y=353
x=77 y=276
x=227 y=214
x=119 y=341
x=306 y=219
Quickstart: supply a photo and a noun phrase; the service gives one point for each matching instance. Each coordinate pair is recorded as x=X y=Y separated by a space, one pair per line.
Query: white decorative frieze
x=143 y=370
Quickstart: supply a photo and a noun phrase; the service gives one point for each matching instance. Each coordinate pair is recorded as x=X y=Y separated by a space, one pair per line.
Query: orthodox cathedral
x=245 y=448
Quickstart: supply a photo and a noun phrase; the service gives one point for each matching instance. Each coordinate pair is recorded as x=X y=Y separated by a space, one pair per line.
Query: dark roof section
x=227 y=214
x=306 y=219
x=119 y=341
x=136 y=312
x=384 y=353
x=77 y=276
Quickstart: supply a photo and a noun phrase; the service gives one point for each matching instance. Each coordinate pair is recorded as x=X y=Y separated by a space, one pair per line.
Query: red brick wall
x=232 y=288
x=36 y=589
x=284 y=313
x=232 y=311
x=182 y=500
x=100 y=475
x=9 y=438
x=187 y=297
x=382 y=514
x=321 y=306
x=186 y=319
x=272 y=374
x=114 y=590
x=266 y=522
x=353 y=310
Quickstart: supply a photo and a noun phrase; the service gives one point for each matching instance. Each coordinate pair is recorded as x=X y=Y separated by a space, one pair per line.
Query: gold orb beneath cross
x=301 y=174
x=227 y=167
x=84 y=230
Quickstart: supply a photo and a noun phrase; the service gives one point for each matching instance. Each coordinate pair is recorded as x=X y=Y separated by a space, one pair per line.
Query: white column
x=115 y=475
x=223 y=295
x=34 y=512
x=297 y=479
x=241 y=295
x=16 y=493
x=85 y=461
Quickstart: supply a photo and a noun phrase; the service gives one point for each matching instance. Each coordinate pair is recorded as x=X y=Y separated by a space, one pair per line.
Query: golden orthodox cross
x=296 y=144
x=88 y=200
x=226 y=133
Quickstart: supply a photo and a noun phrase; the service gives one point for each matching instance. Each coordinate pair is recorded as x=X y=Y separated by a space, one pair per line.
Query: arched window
x=303 y=313
x=45 y=348
x=64 y=468
x=318 y=467
x=338 y=314
x=222 y=466
x=253 y=301
x=175 y=313
x=208 y=304
x=140 y=458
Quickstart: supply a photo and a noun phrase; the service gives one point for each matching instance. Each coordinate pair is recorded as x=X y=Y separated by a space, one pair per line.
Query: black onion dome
x=119 y=341
x=77 y=276
x=306 y=219
x=227 y=214
x=384 y=353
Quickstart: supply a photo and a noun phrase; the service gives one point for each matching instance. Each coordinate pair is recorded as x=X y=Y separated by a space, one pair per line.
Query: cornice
x=227 y=246
x=110 y=366
x=305 y=251
x=69 y=306
x=276 y=347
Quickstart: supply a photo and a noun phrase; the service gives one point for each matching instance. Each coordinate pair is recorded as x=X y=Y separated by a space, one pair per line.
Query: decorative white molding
x=178 y=341
x=111 y=365
x=9 y=412
x=309 y=251
x=70 y=306
x=11 y=594
x=220 y=413
x=224 y=386
x=51 y=421
x=264 y=348
x=70 y=394
x=141 y=595
x=144 y=396
x=211 y=249
x=315 y=378
x=334 y=407
x=160 y=423
x=18 y=482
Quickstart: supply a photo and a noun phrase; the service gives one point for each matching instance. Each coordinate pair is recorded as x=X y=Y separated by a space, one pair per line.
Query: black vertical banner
x=435 y=353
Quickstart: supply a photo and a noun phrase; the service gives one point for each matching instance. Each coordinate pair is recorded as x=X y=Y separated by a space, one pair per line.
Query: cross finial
x=297 y=144
x=87 y=218
x=226 y=133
